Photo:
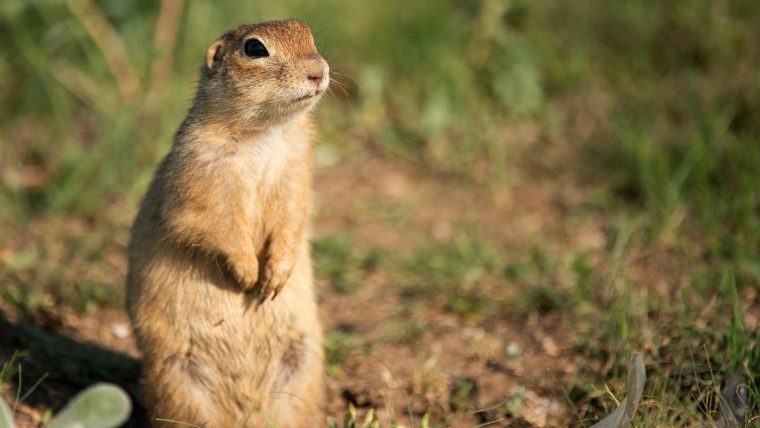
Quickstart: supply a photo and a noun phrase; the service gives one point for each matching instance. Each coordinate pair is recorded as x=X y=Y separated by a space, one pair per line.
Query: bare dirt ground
x=449 y=364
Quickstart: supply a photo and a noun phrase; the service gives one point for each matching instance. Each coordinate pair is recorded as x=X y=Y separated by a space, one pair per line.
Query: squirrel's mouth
x=307 y=97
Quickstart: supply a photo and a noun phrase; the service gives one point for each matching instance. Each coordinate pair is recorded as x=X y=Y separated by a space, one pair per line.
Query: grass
x=635 y=126
x=12 y=368
x=341 y=264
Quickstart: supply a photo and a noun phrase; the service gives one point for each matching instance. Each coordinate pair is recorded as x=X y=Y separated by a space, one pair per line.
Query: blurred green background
x=651 y=109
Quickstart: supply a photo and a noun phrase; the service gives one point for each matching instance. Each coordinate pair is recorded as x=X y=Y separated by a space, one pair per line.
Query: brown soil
x=452 y=361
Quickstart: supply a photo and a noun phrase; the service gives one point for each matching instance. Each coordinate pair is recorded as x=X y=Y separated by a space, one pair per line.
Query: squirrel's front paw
x=245 y=272
x=276 y=274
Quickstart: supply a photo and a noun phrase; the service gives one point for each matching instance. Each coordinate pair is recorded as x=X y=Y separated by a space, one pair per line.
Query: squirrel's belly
x=203 y=337
x=195 y=305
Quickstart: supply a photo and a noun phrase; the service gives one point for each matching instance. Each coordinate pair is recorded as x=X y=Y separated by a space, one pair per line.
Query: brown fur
x=222 y=230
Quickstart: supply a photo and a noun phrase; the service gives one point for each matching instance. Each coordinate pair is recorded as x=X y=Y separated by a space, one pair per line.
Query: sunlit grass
x=658 y=105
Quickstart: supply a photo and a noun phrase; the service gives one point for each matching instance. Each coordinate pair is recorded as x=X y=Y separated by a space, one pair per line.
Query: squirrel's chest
x=260 y=170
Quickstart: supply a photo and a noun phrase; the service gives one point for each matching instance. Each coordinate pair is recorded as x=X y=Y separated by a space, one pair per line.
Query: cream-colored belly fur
x=214 y=355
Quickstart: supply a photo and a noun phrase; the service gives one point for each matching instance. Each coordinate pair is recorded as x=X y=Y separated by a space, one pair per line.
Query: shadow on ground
x=70 y=366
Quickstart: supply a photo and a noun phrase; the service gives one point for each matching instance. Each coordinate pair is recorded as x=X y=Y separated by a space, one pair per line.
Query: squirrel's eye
x=255 y=49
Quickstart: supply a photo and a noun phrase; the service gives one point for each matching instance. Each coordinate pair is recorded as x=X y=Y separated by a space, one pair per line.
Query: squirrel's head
x=263 y=74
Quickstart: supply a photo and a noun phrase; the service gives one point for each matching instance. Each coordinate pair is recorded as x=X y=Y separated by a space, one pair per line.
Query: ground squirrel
x=220 y=284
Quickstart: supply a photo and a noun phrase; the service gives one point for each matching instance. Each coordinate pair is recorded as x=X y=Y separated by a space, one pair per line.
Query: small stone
x=512 y=350
x=120 y=330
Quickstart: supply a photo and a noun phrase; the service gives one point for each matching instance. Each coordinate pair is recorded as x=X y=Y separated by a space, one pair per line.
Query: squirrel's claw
x=276 y=275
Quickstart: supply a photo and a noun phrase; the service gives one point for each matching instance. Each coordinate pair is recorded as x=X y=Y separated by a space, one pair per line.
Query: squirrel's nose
x=316 y=76
x=316 y=72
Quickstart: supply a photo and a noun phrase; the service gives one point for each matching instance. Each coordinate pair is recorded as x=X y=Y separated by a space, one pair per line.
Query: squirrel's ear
x=214 y=57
